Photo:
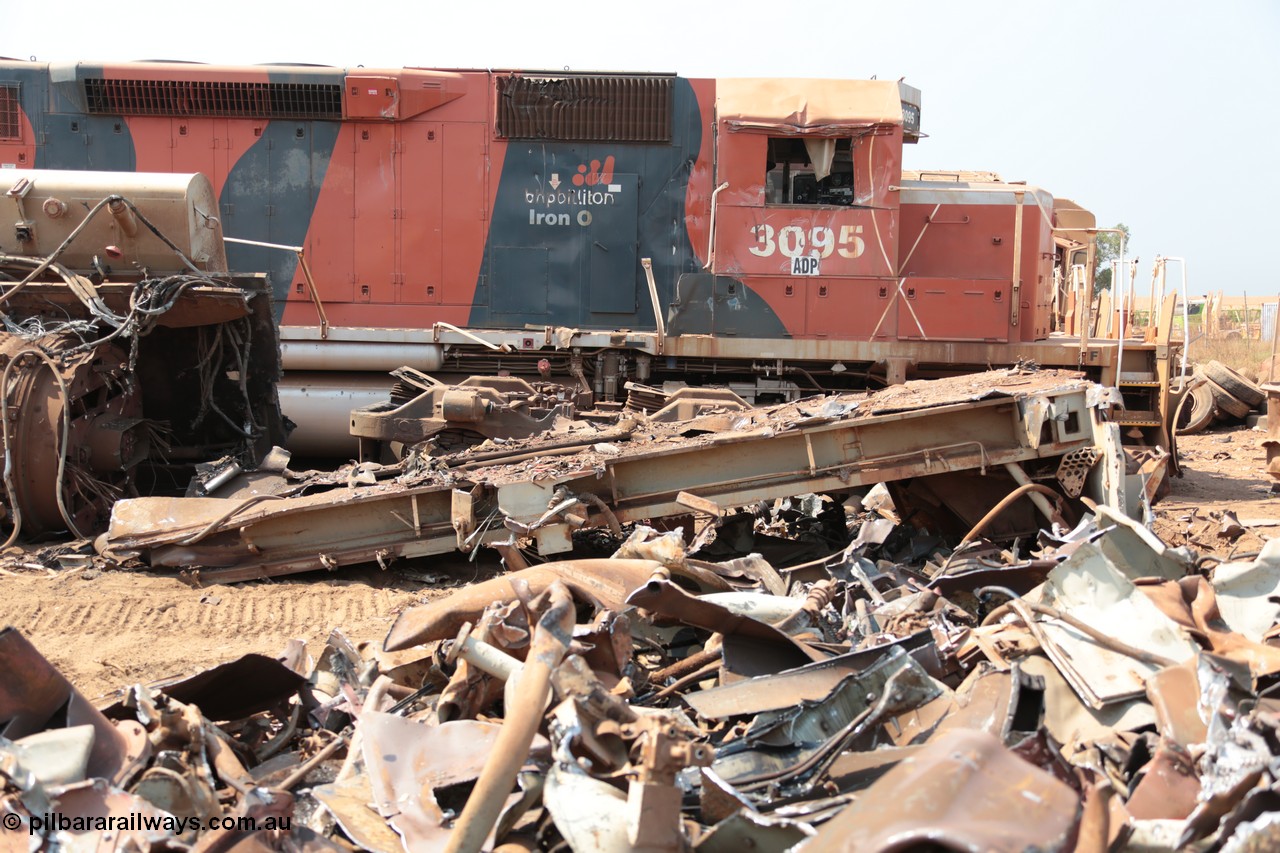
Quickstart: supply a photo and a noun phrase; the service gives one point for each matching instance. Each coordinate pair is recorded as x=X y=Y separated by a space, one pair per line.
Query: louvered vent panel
x=10 y=119
x=585 y=109
x=231 y=99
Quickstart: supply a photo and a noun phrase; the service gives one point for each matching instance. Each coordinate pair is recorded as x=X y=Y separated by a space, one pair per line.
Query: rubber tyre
x=1197 y=413
x=1228 y=405
x=1234 y=384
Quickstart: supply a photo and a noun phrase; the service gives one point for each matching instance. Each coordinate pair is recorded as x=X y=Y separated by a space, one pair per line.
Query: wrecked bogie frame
x=422 y=408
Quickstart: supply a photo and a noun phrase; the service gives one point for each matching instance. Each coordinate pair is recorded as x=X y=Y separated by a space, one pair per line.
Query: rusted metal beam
x=976 y=424
x=548 y=646
x=1065 y=351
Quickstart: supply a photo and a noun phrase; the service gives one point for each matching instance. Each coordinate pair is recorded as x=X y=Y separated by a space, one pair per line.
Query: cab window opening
x=809 y=170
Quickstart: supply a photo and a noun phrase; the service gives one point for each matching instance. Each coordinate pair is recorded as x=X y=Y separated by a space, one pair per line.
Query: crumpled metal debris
x=677 y=703
x=805 y=672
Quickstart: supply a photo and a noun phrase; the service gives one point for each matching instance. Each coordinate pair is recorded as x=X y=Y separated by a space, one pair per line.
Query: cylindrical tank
x=321 y=403
x=46 y=206
x=371 y=356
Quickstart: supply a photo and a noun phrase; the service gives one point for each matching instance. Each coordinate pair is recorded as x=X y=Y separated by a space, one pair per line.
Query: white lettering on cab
x=793 y=241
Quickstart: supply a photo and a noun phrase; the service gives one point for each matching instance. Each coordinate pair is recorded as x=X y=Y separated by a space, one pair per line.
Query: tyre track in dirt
x=105 y=630
x=238 y=613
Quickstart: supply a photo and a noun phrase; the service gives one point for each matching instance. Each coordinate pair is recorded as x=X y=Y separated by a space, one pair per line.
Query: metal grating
x=10 y=117
x=224 y=98
x=586 y=109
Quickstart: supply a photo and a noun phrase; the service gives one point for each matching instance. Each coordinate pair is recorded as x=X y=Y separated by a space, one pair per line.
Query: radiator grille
x=10 y=118
x=587 y=109
x=214 y=98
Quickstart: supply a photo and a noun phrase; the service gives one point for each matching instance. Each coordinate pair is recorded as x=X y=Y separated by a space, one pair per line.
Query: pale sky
x=1134 y=110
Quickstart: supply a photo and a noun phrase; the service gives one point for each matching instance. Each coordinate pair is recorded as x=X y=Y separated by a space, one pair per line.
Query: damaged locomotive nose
x=115 y=375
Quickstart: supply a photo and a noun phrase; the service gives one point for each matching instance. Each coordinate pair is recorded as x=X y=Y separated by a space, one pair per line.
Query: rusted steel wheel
x=1234 y=384
x=103 y=443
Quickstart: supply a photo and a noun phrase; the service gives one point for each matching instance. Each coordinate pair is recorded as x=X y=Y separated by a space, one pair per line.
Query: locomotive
x=603 y=228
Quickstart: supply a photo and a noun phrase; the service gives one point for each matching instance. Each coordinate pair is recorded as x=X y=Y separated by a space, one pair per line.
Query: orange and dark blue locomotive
x=502 y=200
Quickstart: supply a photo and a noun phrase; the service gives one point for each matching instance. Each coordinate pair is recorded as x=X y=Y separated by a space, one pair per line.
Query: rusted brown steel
x=1025 y=489
x=1272 y=442
x=809 y=682
x=230 y=691
x=922 y=727
x=33 y=695
x=685 y=404
x=1093 y=835
x=747 y=641
x=964 y=791
x=305 y=768
x=653 y=798
x=965 y=424
x=1168 y=787
x=989 y=700
x=1175 y=693
x=85 y=381
x=603 y=583
x=421 y=408
x=411 y=764
x=549 y=644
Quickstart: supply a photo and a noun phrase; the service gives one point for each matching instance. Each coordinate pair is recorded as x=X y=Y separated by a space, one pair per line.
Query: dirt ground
x=1223 y=470
x=108 y=629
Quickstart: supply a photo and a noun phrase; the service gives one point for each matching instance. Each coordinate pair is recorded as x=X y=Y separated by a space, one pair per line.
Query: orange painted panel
x=845 y=309
x=766 y=240
x=375 y=213
x=331 y=238
x=465 y=215
x=955 y=310
x=421 y=225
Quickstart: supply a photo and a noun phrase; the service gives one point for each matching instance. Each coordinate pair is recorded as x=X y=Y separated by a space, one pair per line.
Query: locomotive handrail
x=472 y=337
x=306 y=273
x=711 y=236
x=647 y=263
x=1186 y=311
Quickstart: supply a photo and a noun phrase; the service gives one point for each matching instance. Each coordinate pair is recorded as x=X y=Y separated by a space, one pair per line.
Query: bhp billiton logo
x=595 y=175
x=593 y=187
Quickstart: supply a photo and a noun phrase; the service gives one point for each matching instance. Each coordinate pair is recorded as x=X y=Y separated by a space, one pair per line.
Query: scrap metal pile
x=917 y=619
x=1093 y=690
x=929 y=617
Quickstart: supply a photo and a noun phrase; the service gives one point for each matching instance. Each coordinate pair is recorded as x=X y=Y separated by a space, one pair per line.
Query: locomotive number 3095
x=793 y=241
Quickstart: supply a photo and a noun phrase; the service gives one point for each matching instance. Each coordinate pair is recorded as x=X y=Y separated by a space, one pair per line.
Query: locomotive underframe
x=759 y=370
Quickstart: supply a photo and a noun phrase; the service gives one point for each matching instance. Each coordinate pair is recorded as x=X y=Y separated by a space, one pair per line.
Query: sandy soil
x=107 y=629
x=1223 y=470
